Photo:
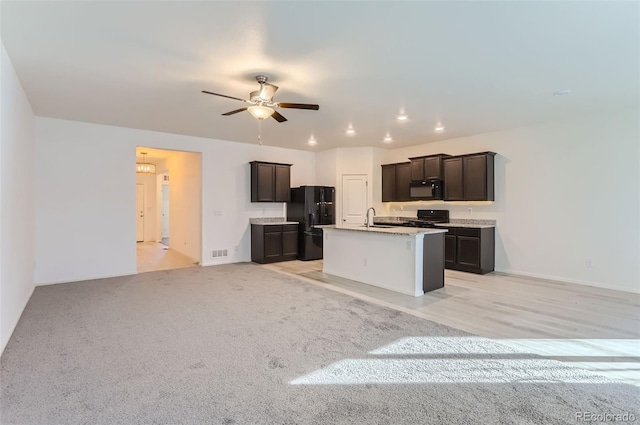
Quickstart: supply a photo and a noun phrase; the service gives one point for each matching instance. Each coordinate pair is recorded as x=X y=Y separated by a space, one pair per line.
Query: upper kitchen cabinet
x=427 y=167
x=469 y=177
x=270 y=182
x=395 y=182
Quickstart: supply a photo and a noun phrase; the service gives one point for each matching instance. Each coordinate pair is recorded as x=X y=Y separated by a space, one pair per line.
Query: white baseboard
x=568 y=280
x=83 y=279
x=15 y=322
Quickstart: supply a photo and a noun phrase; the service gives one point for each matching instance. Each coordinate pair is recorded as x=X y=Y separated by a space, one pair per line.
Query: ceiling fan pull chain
x=259 y=132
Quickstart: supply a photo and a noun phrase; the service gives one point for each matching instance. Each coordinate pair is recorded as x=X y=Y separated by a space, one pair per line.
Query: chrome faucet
x=367 y=222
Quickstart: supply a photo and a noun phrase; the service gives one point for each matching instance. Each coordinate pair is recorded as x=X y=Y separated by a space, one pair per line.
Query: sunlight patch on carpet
x=464 y=359
x=439 y=371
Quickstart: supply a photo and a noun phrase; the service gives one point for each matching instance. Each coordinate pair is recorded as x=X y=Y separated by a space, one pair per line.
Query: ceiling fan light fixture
x=260 y=112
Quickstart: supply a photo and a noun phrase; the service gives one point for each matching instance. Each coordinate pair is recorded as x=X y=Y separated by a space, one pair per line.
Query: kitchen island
x=405 y=260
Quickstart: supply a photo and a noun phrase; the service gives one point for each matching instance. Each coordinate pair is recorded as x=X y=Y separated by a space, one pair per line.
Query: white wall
x=351 y=161
x=326 y=168
x=185 y=206
x=150 y=209
x=17 y=239
x=85 y=187
x=565 y=192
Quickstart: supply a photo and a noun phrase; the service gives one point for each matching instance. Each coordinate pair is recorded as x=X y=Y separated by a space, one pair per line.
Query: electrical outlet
x=470 y=210
x=588 y=263
x=365 y=261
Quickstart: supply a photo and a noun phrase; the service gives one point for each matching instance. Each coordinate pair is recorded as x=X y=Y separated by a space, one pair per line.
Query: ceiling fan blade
x=276 y=116
x=224 y=95
x=298 y=105
x=235 y=112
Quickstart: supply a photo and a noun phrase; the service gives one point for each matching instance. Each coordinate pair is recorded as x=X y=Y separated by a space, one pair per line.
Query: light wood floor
x=153 y=256
x=587 y=327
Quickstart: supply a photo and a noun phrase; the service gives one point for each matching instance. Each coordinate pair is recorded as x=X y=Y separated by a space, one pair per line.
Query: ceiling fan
x=262 y=104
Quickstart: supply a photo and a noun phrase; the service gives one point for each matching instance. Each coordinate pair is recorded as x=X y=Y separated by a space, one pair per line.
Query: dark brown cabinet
x=403 y=181
x=470 y=249
x=453 y=189
x=469 y=177
x=450 y=242
x=270 y=182
x=271 y=243
x=395 y=182
x=389 y=183
x=427 y=167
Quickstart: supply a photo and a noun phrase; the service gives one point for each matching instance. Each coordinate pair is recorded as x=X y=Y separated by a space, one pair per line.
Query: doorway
x=139 y=212
x=354 y=198
x=164 y=212
x=170 y=233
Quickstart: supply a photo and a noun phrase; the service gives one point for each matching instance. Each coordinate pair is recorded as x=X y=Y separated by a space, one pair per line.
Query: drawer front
x=465 y=231
x=273 y=228
x=451 y=231
x=289 y=227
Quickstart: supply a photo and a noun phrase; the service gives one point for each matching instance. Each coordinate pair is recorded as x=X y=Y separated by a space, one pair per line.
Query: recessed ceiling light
x=402 y=117
x=562 y=92
x=312 y=141
x=350 y=131
x=439 y=128
x=387 y=138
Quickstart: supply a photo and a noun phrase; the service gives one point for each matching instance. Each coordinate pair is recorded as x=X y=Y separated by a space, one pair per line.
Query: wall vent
x=219 y=253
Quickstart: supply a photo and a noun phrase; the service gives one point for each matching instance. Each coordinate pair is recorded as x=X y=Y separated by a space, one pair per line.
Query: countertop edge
x=402 y=231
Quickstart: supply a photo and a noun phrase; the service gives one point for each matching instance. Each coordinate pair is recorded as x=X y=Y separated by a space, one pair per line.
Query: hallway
x=153 y=256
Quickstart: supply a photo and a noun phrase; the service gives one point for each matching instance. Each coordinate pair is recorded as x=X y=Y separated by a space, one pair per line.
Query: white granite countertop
x=377 y=229
x=275 y=222
x=270 y=220
x=467 y=225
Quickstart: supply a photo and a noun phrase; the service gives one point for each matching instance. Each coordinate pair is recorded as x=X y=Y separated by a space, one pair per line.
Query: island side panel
x=384 y=260
x=433 y=261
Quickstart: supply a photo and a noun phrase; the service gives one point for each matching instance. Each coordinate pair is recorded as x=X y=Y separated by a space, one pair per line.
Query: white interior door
x=139 y=212
x=165 y=211
x=354 y=198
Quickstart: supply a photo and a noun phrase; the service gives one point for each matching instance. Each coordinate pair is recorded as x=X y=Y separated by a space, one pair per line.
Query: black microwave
x=426 y=190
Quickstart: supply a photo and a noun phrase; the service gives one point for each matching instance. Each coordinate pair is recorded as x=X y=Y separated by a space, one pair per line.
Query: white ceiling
x=475 y=66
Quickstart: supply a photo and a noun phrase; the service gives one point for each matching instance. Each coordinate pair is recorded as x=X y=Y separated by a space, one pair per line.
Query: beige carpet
x=238 y=344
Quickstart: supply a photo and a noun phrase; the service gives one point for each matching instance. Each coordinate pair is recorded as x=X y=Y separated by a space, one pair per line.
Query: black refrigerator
x=310 y=206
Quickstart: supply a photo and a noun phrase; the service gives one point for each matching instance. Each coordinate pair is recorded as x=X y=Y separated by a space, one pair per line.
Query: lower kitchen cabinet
x=271 y=243
x=470 y=249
